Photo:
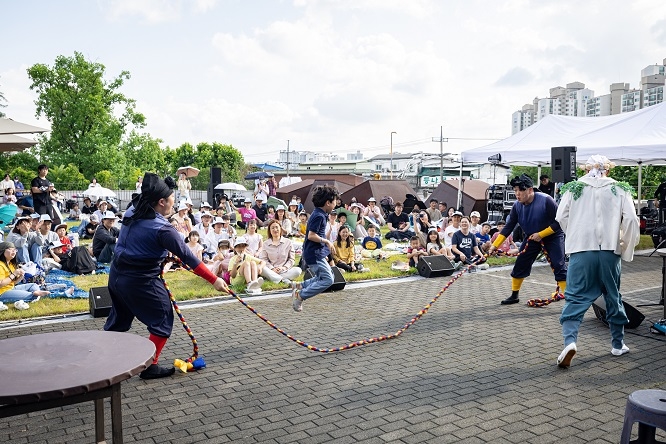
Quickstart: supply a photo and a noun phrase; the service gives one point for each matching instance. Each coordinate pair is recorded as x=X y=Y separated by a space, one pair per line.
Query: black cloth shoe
x=155 y=371
x=513 y=299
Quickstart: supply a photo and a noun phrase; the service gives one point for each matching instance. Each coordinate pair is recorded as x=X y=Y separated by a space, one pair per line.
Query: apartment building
x=576 y=100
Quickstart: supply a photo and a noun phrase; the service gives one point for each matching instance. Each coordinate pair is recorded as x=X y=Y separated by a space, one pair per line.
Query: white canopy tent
x=634 y=138
x=8 y=139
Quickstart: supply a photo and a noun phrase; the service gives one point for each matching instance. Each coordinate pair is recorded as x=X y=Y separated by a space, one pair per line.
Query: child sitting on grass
x=255 y=242
x=194 y=245
x=435 y=247
x=302 y=225
x=415 y=251
x=372 y=244
x=245 y=268
x=344 y=255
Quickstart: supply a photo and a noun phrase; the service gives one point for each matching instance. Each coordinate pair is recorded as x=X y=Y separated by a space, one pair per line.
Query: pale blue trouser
x=21 y=292
x=322 y=279
x=591 y=274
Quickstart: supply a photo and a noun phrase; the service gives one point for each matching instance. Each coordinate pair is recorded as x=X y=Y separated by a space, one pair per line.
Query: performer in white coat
x=598 y=217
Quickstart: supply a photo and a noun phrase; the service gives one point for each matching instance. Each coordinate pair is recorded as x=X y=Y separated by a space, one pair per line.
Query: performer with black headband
x=134 y=279
x=535 y=212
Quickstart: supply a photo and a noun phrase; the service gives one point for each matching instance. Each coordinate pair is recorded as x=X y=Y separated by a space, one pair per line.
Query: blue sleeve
x=379 y=242
x=171 y=240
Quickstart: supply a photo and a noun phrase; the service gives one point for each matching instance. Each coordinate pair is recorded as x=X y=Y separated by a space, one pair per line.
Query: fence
x=124 y=197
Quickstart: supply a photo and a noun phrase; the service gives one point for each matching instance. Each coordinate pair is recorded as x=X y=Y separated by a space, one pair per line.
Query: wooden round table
x=55 y=369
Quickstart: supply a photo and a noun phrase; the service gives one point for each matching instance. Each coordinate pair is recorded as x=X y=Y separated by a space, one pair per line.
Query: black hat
x=523 y=182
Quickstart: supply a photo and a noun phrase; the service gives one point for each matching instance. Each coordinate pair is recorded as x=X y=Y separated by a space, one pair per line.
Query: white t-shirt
x=474 y=228
x=448 y=234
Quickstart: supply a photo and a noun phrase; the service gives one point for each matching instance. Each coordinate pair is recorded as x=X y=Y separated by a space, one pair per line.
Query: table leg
x=116 y=415
x=99 y=420
x=663 y=283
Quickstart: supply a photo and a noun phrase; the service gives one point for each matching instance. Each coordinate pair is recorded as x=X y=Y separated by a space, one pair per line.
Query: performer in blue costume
x=134 y=280
x=535 y=212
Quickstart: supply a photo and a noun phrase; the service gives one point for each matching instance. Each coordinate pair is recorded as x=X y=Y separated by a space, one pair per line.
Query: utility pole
x=391 y=166
x=441 y=141
x=288 y=158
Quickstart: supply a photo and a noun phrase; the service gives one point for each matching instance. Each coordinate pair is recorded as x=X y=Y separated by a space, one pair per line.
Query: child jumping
x=316 y=248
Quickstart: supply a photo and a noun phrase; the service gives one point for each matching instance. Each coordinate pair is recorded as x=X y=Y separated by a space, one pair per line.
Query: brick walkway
x=469 y=371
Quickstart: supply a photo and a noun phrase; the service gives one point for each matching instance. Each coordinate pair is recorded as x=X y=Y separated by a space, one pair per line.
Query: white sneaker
x=21 y=305
x=620 y=351
x=296 y=301
x=3 y=307
x=484 y=267
x=564 y=360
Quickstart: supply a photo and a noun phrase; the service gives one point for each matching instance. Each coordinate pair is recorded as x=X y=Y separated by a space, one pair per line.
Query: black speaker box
x=100 y=302
x=635 y=316
x=563 y=163
x=216 y=175
x=434 y=266
x=339 y=280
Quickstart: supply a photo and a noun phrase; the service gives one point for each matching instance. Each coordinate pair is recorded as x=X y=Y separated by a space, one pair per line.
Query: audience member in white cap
x=105 y=239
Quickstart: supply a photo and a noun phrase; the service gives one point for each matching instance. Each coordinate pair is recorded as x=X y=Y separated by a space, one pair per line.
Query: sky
x=333 y=76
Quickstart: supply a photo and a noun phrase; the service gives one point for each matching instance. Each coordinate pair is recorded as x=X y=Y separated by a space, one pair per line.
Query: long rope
x=556 y=295
x=195 y=353
x=310 y=347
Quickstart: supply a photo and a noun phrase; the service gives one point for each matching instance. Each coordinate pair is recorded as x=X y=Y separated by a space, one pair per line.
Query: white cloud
x=340 y=75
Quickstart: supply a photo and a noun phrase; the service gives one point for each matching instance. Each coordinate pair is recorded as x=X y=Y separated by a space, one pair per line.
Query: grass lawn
x=185 y=285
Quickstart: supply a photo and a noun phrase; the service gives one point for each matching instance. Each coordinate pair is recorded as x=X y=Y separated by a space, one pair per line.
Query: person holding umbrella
x=184 y=186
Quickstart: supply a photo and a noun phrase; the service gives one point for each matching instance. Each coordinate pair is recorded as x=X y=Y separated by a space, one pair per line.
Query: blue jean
x=106 y=255
x=321 y=280
x=591 y=274
x=21 y=292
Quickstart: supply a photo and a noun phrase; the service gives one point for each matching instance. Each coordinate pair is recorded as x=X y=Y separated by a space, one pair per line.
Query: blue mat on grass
x=59 y=277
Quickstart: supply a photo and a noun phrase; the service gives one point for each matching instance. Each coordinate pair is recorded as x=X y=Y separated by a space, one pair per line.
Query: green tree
x=65 y=177
x=143 y=152
x=87 y=113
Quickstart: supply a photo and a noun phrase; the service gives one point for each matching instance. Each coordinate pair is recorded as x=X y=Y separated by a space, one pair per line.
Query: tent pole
x=536 y=179
x=640 y=182
x=460 y=181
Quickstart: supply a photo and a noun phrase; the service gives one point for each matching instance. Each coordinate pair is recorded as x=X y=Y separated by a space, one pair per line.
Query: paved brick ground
x=469 y=371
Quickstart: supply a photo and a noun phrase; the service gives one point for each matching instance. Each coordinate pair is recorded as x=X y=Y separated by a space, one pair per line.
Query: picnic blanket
x=57 y=281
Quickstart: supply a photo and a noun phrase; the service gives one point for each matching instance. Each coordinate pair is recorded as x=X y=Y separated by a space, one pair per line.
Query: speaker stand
x=663 y=277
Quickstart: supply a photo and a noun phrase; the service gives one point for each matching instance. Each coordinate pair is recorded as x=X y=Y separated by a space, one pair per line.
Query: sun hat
x=280 y=207
x=182 y=206
x=372 y=199
x=61 y=226
x=102 y=202
x=36 y=215
x=56 y=244
x=217 y=220
x=293 y=203
x=457 y=213
x=93 y=218
x=43 y=217
x=475 y=214
x=206 y=213
x=109 y=215
x=205 y=204
x=240 y=241
x=247 y=200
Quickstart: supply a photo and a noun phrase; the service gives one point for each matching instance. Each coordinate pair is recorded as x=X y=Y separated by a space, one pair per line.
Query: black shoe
x=155 y=371
x=513 y=299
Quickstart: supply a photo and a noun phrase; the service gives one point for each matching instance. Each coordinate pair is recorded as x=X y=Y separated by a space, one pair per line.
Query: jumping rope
x=194 y=362
x=556 y=295
x=190 y=364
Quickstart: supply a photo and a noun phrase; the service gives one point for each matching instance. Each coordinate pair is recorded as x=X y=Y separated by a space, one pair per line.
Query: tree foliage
x=87 y=113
